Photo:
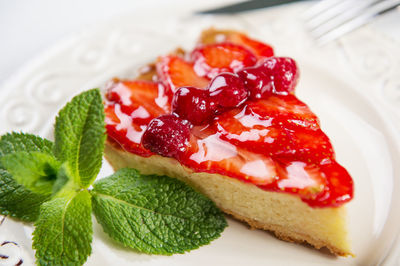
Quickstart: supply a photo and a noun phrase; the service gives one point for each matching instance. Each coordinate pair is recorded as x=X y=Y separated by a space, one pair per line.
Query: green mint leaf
x=80 y=135
x=36 y=171
x=153 y=214
x=63 y=177
x=63 y=232
x=16 y=200
x=15 y=142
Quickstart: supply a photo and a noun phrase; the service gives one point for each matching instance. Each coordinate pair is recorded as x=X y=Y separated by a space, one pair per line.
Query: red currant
x=167 y=135
x=193 y=104
x=227 y=91
x=274 y=75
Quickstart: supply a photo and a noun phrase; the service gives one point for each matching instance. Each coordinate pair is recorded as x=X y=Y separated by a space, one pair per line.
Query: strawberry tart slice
x=224 y=118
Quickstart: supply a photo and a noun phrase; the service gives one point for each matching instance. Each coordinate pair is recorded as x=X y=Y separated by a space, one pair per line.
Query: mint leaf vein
x=80 y=136
x=63 y=232
x=20 y=195
x=157 y=215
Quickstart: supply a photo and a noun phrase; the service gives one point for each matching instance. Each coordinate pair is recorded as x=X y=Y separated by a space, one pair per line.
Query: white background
x=29 y=27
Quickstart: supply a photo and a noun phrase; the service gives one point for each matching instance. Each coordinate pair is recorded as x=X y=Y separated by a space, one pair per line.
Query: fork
x=329 y=19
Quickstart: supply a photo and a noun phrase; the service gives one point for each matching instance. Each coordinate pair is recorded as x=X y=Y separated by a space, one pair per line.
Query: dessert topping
x=194 y=105
x=210 y=60
x=245 y=123
x=274 y=75
x=175 y=72
x=167 y=135
x=227 y=91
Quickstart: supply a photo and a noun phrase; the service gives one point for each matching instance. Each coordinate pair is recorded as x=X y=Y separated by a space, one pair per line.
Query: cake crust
x=294 y=237
x=284 y=214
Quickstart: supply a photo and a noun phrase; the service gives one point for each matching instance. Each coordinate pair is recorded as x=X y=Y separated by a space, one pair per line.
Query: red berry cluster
x=168 y=135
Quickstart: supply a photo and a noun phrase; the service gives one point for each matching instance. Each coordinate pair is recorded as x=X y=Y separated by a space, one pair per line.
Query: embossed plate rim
x=76 y=39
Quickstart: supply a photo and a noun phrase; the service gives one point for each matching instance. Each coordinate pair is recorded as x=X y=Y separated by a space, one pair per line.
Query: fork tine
x=342 y=18
x=377 y=9
x=331 y=12
x=318 y=8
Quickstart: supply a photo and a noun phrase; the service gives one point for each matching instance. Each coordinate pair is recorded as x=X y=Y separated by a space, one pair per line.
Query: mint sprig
x=17 y=199
x=36 y=171
x=80 y=135
x=15 y=142
x=48 y=183
x=63 y=232
x=157 y=214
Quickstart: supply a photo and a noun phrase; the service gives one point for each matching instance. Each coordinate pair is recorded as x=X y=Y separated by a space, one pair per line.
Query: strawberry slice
x=174 y=72
x=312 y=146
x=122 y=130
x=339 y=187
x=286 y=110
x=152 y=96
x=260 y=133
x=149 y=96
x=252 y=132
x=214 y=155
x=302 y=179
x=210 y=60
x=130 y=106
x=258 y=48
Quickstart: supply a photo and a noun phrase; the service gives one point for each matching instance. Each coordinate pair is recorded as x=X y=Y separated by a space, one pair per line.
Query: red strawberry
x=131 y=105
x=132 y=94
x=174 y=72
x=212 y=59
x=111 y=117
x=257 y=47
x=285 y=110
x=255 y=133
x=340 y=183
x=214 y=155
x=301 y=178
x=338 y=190
x=279 y=133
x=215 y=36
x=121 y=129
x=312 y=146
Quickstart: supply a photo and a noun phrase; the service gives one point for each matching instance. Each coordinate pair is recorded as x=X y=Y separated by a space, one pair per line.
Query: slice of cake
x=224 y=119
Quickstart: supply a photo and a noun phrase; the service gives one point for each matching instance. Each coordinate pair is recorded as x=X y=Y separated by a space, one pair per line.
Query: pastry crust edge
x=277 y=230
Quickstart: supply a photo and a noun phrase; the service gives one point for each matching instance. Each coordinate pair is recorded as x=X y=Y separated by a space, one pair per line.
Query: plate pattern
x=93 y=56
x=10 y=252
x=372 y=58
x=118 y=47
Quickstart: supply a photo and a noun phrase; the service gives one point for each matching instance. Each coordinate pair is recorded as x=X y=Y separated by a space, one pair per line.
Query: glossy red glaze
x=212 y=59
x=174 y=72
x=130 y=106
x=258 y=48
x=227 y=91
x=275 y=142
x=194 y=105
x=273 y=75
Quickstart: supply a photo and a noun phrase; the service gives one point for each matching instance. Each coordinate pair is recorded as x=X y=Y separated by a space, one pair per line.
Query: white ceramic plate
x=342 y=83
